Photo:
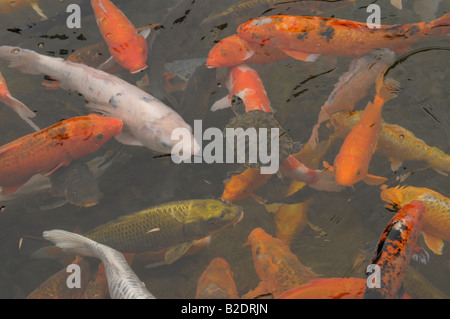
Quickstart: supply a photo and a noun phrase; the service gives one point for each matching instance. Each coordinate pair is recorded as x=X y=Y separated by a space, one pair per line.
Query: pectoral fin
x=176 y=252
x=302 y=56
x=128 y=139
x=374 y=180
x=12 y=189
x=434 y=243
x=395 y=163
x=438 y=170
x=38 y=10
x=54 y=205
x=108 y=64
x=221 y=104
x=65 y=163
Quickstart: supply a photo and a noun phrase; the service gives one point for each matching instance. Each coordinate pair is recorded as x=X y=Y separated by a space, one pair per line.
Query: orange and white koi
x=396 y=143
x=242 y=185
x=233 y=50
x=436 y=223
x=244 y=82
x=53 y=147
x=306 y=37
x=277 y=267
x=352 y=86
x=217 y=281
x=128 y=48
x=351 y=165
x=394 y=251
x=21 y=109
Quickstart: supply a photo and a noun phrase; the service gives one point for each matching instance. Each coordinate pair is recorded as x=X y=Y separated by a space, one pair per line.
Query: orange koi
x=53 y=147
x=217 y=281
x=306 y=37
x=128 y=48
x=244 y=82
x=351 y=165
x=241 y=186
x=394 y=250
x=277 y=267
x=436 y=223
x=233 y=50
x=21 y=109
x=291 y=219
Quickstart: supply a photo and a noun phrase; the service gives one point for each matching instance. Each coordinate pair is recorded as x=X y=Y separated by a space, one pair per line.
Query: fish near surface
x=123 y=283
x=396 y=143
x=436 y=221
x=302 y=37
x=146 y=120
x=351 y=165
x=128 y=48
x=352 y=86
x=277 y=267
x=394 y=250
x=217 y=281
x=21 y=109
x=53 y=147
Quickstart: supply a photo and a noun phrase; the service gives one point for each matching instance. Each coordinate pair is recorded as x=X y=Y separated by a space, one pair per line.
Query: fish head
x=235 y=189
x=206 y=217
x=86 y=134
x=229 y=51
x=349 y=170
x=135 y=57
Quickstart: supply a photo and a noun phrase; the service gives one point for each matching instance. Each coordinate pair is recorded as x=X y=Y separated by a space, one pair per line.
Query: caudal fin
x=70 y=242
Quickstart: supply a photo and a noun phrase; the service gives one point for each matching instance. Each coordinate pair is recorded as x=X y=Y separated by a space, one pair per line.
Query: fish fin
x=387 y=88
x=302 y=56
x=65 y=163
x=326 y=182
x=22 y=110
x=127 y=138
x=259 y=199
x=294 y=187
x=145 y=32
x=54 y=205
x=440 y=171
x=39 y=11
x=155 y=264
x=273 y=208
x=221 y=104
x=374 y=180
x=397 y=3
x=49 y=252
x=434 y=243
x=420 y=255
x=176 y=252
x=70 y=243
x=395 y=163
x=328 y=166
x=108 y=64
x=102 y=108
x=12 y=189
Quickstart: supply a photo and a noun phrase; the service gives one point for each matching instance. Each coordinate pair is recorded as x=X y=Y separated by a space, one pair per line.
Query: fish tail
x=22 y=110
x=440 y=26
x=70 y=242
x=26 y=61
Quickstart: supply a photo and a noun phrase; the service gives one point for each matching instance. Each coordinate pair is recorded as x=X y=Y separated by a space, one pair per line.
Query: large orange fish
x=242 y=185
x=53 y=147
x=233 y=50
x=305 y=37
x=127 y=47
x=21 y=109
x=277 y=267
x=217 y=281
x=394 y=251
x=351 y=165
x=436 y=223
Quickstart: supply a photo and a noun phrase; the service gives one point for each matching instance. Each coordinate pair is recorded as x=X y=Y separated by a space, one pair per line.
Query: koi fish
x=277 y=267
x=244 y=82
x=394 y=251
x=53 y=147
x=8 y=6
x=436 y=223
x=242 y=185
x=396 y=143
x=352 y=86
x=307 y=37
x=147 y=121
x=128 y=48
x=291 y=219
x=351 y=165
x=123 y=283
x=233 y=50
x=97 y=287
x=21 y=109
x=328 y=288
x=217 y=281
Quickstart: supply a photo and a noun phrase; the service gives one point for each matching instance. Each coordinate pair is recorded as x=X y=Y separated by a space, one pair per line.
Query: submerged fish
x=277 y=267
x=21 y=109
x=9 y=6
x=146 y=121
x=123 y=283
x=217 y=281
x=128 y=48
x=436 y=221
x=352 y=86
x=242 y=185
x=53 y=147
x=306 y=37
x=394 y=250
x=290 y=220
x=396 y=143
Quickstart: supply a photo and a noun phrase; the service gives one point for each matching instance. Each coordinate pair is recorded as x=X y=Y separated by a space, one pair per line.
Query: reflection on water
x=341 y=226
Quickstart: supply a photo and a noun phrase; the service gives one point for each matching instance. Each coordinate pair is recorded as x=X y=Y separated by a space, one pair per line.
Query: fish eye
x=99 y=136
x=358 y=172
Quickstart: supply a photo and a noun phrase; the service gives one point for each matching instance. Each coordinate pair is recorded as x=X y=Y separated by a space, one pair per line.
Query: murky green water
x=349 y=219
